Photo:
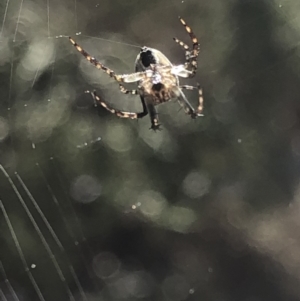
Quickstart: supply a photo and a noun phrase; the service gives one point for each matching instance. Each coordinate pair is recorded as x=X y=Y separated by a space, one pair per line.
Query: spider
x=157 y=80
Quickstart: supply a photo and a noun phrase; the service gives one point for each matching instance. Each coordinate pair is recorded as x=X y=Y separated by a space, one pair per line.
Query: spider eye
x=147 y=57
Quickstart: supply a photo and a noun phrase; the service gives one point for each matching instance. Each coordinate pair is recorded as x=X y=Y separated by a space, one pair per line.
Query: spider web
x=93 y=207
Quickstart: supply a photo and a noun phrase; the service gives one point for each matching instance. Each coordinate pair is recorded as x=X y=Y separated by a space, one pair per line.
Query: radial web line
x=56 y=239
x=76 y=18
x=21 y=254
x=4 y=19
x=37 y=229
x=68 y=227
x=8 y=284
x=111 y=41
x=2 y=296
x=11 y=77
x=83 y=238
x=42 y=59
x=18 y=21
x=51 y=76
x=37 y=72
x=48 y=18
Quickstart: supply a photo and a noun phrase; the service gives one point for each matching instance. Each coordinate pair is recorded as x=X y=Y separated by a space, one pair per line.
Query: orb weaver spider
x=157 y=80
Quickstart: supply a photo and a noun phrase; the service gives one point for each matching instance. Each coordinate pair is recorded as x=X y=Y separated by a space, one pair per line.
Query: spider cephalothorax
x=157 y=80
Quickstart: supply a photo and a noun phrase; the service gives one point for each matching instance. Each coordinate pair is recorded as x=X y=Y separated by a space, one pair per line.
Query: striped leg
x=188 y=54
x=155 y=125
x=119 y=113
x=191 y=56
x=126 y=78
x=125 y=91
x=200 y=99
x=183 y=45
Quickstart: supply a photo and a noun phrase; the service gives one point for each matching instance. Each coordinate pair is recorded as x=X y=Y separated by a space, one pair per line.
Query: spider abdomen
x=159 y=92
x=161 y=95
x=158 y=84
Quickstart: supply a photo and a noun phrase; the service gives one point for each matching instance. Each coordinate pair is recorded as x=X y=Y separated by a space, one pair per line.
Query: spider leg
x=186 y=87
x=119 y=113
x=191 y=56
x=126 y=78
x=187 y=53
x=125 y=91
x=180 y=70
x=155 y=125
x=200 y=94
x=186 y=104
x=183 y=45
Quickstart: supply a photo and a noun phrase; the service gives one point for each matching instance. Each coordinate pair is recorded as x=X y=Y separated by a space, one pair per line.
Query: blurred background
x=94 y=207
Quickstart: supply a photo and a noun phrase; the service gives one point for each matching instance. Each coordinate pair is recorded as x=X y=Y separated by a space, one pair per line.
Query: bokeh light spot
x=85 y=189
x=196 y=184
x=106 y=265
x=175 y=288
x=152 y=203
